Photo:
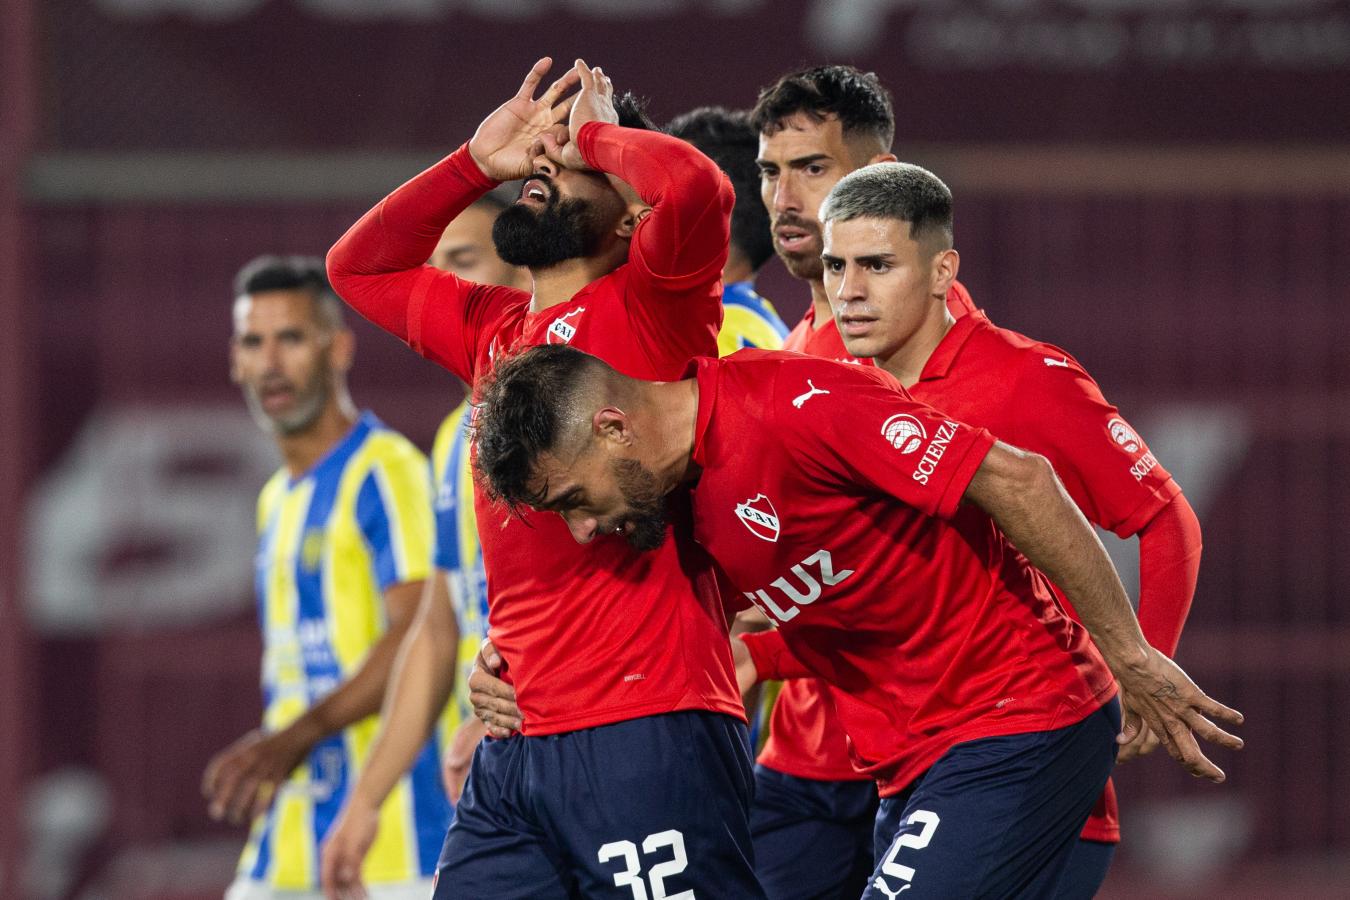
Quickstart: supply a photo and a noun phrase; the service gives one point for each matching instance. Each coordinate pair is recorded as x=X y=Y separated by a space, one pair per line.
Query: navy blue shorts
x=995 y=817
x=1086 y=870
x=813 y=839
x=645 y=808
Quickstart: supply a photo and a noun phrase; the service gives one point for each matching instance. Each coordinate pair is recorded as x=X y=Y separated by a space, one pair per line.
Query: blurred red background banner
x=378 y=74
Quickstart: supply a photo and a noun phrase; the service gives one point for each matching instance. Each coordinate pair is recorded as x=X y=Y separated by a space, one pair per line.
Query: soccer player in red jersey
x=619 y=659
x=891 y=219
x=834 y=502
x=812 y=808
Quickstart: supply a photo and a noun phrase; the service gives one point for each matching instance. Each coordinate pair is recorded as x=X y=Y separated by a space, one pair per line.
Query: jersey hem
x=810 y=773
x=891 y=785
x=560 y=724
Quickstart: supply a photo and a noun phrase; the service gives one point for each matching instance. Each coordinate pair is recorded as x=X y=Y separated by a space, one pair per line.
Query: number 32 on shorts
x=631 y=876
x=892 y=869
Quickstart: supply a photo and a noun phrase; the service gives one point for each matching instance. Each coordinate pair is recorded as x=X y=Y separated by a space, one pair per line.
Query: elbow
x=1030 y=475
x=336 y=264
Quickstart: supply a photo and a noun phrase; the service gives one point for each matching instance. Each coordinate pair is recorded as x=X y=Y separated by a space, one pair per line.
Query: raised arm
x=379 y=265
x=685 y=237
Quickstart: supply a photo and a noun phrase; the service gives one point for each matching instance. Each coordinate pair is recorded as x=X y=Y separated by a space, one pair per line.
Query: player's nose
x=784 y=197
x=583 y=528
x=544 y=164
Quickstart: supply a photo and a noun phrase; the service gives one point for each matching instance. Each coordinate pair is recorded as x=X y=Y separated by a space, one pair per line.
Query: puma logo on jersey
x=882 y=886
x=799 y=402
x=1062 y=363
x=802 y=589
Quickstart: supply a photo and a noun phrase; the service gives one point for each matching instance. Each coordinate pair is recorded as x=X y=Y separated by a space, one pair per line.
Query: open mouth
x=534 y=191
x=794 y=240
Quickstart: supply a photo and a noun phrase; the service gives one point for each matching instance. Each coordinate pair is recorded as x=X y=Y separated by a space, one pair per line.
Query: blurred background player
x=345 y=530
x=726 y=137
x=889 y=262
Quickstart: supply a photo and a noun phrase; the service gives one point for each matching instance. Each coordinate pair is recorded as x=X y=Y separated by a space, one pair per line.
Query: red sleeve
x=682 y=244
x=673 y=293
x=1169 y=565
x=874 y=435
x=773 y=660
x=1105 y=465
x=379 y=266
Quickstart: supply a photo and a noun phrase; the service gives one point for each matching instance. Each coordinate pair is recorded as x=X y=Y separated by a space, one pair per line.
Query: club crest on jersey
x=904 y=432
x=1123 y=435
x=758 y=515
x=562 y=331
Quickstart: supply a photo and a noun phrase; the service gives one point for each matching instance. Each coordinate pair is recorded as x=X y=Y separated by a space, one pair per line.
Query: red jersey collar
x=944 y=355
x=707 y=371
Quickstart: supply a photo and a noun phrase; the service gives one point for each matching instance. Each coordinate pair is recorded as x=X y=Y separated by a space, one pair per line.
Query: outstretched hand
x=507 y=141
x=1156 y=693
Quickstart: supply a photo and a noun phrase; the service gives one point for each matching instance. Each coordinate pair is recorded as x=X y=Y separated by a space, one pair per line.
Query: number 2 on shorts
x=893 y=869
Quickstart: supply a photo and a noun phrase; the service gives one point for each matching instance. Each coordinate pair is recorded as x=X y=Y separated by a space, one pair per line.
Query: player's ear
x=632 y=216
x=883 y=157
x=611 y=424
x=342 y=349
x=946 y=264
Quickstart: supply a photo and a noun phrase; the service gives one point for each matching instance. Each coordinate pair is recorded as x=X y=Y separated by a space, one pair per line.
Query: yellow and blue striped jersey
x=331 y=541
x=748 y=320
x=458 y=552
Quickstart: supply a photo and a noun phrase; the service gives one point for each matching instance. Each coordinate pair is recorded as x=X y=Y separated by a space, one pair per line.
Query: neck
x=907 y=363
x=821 y=301
x=674 y=408
x=560 y=283
x=301 y=451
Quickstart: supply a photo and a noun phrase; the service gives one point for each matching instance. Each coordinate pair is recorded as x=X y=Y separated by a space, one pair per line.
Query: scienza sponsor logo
x=933 y=455
x=904 y=432
x=562 y=330
x=1123 y=435
x=758 y=515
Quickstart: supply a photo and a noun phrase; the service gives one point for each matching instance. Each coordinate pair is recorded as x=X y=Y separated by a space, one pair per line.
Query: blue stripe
x=431 y=807
x=264 y=859
x=328 y=779
x=373 y=518
x=262 y=565
x=448 y=503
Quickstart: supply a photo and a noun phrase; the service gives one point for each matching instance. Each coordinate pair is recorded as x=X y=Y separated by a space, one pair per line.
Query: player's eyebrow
x=561 y=499
x=871 y=258
x=796 y=162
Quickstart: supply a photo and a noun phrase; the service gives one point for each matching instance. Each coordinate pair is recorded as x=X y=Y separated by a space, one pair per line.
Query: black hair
x=728 y=139
x=290 y=273
x=857 y=98
x=894 y=190
x=632 y=111
x=520 y=414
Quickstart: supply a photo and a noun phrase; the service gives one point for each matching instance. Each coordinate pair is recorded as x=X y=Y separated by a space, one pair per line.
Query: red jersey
x=990 y=375
x=805 y=737
x=845 y=526
x=602 y=633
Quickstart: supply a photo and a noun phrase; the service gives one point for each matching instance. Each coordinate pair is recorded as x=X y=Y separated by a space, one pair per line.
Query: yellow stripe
x=741 y=326
x=405 y=487
x=282 y=660
x=293 y=864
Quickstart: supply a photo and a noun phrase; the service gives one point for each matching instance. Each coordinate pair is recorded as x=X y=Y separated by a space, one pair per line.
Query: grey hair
x=893 y=190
